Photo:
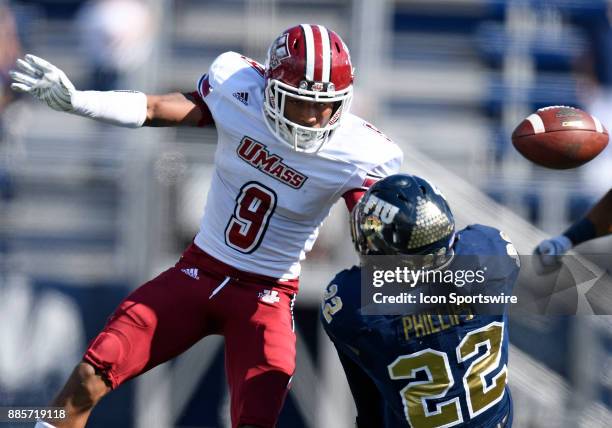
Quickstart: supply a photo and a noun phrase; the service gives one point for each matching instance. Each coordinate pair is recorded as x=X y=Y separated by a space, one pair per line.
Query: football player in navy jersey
x=442 y=367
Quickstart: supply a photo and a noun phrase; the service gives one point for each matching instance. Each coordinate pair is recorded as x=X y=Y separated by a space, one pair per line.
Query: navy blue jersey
x=439 y=369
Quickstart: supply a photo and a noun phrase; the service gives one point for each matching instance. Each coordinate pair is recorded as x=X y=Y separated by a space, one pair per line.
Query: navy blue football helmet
x=404 y=214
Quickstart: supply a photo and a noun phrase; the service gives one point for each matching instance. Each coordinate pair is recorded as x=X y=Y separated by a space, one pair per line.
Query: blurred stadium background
x=88 y=212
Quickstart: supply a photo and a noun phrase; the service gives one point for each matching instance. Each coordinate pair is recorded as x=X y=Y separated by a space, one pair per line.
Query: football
x=560 y=137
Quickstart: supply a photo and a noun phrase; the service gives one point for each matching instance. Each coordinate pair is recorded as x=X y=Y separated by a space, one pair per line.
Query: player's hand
x=44 y=81
x=548 y=253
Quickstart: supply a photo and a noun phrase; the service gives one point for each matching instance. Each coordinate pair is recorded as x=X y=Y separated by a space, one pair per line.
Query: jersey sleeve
x=340 y=306
x=233 y=83
x=342 y=323
x=389 y=167
x=207 y=118
x=203 y=86
x=492 y=251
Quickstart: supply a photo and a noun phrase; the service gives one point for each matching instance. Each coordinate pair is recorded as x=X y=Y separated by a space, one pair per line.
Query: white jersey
x=266 y=201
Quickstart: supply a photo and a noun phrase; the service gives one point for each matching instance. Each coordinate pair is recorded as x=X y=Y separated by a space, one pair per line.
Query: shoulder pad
x=491 y=245
x=363 y=145
x=236 y=79
x=343 y=293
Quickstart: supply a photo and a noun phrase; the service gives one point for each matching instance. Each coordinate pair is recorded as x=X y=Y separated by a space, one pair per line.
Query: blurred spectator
x=596 y=91
x=117 y=39
x=10 y=50
x=598 y=172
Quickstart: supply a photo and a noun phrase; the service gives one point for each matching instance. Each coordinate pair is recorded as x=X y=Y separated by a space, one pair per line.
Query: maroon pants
x=197 y=297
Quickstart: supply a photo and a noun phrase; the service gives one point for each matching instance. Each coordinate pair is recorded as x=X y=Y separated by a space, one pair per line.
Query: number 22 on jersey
x=255 y=204
x=479 y=395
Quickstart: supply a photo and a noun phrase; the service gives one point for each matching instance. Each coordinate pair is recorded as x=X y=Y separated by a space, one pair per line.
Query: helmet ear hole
x=296 y=43
x=423 y=189
x=337 y=47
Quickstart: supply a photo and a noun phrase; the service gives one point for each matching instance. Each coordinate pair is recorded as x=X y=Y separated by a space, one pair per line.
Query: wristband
x=121 y=108
x=581 y=231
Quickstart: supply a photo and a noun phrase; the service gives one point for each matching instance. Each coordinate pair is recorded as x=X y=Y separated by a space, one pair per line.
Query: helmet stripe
x=326 y=53
x=310 y=52
x=318 y=64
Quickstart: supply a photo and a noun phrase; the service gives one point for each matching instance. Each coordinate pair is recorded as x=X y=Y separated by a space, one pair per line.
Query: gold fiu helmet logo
x=383 y=210
x=372 y=224
x=372 y=228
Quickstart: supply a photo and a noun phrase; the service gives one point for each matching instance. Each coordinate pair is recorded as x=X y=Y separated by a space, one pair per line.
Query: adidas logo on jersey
x=269 y=296
x=243 y=97
x=191 y=272
x=257 y=155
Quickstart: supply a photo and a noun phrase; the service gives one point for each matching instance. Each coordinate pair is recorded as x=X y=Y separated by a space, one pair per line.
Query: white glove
x=44 y=81
x=49 y=84
x=549 y=251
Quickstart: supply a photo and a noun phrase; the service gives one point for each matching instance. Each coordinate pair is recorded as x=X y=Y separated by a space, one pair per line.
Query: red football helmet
x=310 y=63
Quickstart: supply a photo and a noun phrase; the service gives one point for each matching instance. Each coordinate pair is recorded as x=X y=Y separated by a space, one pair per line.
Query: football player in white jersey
x=288 y=149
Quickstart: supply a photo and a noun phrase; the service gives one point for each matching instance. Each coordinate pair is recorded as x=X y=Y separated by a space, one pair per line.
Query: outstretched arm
x=129 y=109
x=597 y=223
x=601 y=216
x=177 y=109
